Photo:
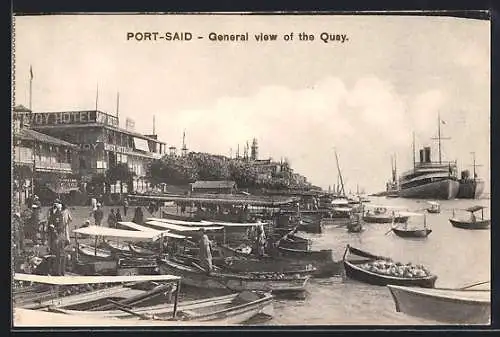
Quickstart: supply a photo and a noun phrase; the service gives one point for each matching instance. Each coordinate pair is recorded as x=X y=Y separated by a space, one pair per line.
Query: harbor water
x=457 y=256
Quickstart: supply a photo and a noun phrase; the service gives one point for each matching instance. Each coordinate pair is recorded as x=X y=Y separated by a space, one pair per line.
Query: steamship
x=470 y=187
x=429 y=180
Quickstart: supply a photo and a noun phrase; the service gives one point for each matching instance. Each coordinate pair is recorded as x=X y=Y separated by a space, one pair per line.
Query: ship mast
x=474 y=165
x=439 y=138
x=413 y=147
x=342 y=191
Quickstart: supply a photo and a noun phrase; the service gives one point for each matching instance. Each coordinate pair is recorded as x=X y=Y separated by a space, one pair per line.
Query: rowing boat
x=228 y=309
x=458 y=306
x=356 y=262
x=118 y=247
x=94 y=253
x=473 y=223
x=412 y=233
x=286 y=286
x=138 y=250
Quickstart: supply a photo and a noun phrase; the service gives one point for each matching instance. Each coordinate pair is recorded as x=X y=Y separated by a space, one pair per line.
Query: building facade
x=102 y=145
x=41 y=164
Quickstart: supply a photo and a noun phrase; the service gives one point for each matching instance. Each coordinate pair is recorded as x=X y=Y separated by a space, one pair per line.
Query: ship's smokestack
x=427 y=154
x=465 y=174
x=421 y=155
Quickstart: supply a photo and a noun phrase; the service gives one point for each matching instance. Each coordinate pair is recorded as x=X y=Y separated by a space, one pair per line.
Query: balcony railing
x=51 y=166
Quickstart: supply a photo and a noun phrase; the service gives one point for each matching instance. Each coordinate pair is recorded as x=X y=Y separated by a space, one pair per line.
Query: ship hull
x=441 y=190
x=470 y=189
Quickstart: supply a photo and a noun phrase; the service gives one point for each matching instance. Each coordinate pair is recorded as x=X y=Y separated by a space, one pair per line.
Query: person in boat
x=205 y=251
x=98 y=214
x=260 y=241
x=183 y=208
x=138 y=216
x=472 y=217
x=112 y=219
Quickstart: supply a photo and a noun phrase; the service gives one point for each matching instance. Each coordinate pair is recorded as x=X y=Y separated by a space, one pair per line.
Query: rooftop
x=214 y=184
x=33 y=135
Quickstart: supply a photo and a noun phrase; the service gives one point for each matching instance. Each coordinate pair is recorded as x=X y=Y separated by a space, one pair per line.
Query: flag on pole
x=31 y=72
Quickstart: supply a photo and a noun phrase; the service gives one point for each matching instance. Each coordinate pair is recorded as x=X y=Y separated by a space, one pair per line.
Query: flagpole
x=31 y=87
x=97 y=96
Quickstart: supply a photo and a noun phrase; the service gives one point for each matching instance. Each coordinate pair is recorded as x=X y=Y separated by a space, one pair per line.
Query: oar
x=473 y=285
x=127 y=310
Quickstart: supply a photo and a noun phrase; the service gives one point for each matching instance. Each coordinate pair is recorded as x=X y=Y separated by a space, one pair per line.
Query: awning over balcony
x=42 y=138
x=62 y=189
x=141 y=144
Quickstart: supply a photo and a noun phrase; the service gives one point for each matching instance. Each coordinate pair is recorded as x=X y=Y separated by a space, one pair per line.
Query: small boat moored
x=383 y=214
x=194 y=276
x=434 y=207
x=378 y=270
x=472 y=223
x=457 y=306
x=405 y=231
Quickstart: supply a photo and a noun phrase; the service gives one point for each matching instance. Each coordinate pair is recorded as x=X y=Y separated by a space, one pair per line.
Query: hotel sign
x=73 y=117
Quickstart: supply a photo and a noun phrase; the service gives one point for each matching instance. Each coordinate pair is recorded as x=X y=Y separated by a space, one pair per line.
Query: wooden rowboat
x=412 y=233
x=135 y=249
x=384 y=218
x=286 y=286
x=480 y=224
x=472 y=223
x=354 y=258
x=119 y=247
x=459 y=306
x=94 y=253
x=228 y=309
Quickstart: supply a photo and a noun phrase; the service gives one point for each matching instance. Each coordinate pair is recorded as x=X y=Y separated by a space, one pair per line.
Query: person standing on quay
x=98 y=215
x=55 y=228
x=205 y=251
x=112 y=219
x=138 y=216
x=125 y=207
x=118 y=215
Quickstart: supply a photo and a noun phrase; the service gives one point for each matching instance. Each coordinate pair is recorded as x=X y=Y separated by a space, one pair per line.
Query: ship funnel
x=421 y=155
x=427 y=154
x=465 y=174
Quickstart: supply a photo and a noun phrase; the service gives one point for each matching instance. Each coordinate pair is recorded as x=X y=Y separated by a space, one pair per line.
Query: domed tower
x=255 y=150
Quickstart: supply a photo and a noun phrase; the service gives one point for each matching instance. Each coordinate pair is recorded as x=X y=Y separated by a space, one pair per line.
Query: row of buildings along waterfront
x=60 y=153
x=67 y=154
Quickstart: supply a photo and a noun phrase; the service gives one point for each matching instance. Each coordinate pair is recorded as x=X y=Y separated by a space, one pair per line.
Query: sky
x=302 y=100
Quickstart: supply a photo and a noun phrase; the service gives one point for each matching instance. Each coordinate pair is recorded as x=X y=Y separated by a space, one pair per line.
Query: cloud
x=305 y=125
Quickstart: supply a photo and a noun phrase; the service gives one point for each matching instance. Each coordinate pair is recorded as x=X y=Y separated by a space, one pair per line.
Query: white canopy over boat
x=181 y=222
x=73 y=280
x=118 y=233
x=137 y=227
x=433 y=203
x=340 y=202
x=139 y=235
x=234 y=224
x=179 y=228
x=342 y=209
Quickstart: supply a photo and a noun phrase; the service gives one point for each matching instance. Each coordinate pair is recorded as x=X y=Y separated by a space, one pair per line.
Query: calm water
x=456 y=256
